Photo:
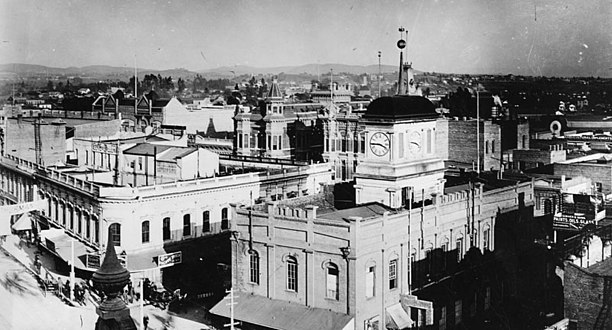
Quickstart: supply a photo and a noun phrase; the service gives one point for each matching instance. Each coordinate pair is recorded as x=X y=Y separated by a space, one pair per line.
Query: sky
x=528 y=37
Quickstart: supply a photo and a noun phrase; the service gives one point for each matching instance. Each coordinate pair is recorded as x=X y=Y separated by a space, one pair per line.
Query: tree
x=181 y=85
x=50 y=85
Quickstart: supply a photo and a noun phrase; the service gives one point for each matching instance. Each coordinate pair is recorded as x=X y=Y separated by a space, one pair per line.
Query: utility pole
x=231 y=305
x=72 y=277
x=379 y=73
x=477 y=129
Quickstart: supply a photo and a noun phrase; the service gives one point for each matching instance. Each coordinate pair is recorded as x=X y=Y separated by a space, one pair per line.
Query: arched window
x=206 y=221
x=87 y=221
x=254 y=267
x=70 y=217
x=292 y=274
x=56 y=211
x=166 y=229
x=114 y=231
x=224 y=218
x=393 y=274
x=186 y=225
x=145 y=231
x=77 y=212
x=63 y=207
x=370 y=281
x=331 y=281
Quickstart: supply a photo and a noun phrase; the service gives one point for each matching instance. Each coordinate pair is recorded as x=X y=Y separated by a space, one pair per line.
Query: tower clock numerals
x=379 y=144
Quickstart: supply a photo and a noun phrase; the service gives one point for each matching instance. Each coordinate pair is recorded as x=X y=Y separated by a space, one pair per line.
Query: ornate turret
x=275 y=95
x=111 y=278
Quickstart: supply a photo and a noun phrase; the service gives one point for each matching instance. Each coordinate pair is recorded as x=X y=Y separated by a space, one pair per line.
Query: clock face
x=379 y=144
x=415 y=143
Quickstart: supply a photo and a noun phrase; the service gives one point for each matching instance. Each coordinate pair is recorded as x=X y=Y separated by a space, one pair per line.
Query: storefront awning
x=59 y=243
x=145 y=260
x=24 y=222
x=282 y=315
x=399 y=316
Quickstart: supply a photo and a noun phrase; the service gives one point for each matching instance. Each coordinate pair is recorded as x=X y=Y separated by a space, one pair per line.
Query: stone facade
x=383 y=244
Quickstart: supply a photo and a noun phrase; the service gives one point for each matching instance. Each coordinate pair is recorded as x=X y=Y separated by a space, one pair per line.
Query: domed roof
x=401 y=107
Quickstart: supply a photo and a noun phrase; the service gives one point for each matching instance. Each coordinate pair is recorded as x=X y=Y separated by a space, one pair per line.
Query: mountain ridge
x=222 y=72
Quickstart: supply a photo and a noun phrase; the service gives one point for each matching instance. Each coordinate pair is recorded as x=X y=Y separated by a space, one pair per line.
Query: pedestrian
x=145 y=322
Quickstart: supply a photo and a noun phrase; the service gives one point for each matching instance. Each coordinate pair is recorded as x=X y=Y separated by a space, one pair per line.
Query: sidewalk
x=25 y=255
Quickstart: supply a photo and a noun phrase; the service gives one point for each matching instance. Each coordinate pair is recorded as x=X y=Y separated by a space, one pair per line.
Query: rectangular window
x=362 y=143
x=292 y=275
x=140 y=163
x=393 y=274
x=459 y=246
x=254 y=267
x=370 y=278
x=333 y=144
x=239 y=137
x=145 y=231
x=187 y=225
x=442 y=322
x=343 y=143
x=224 y=218
x=493 y=146
x=458 y=311
x=486 y=236
x=599 y=186
x=275 y=142
x=429 y=141
x=332 y=282
x=206 y=221
x=166 y=229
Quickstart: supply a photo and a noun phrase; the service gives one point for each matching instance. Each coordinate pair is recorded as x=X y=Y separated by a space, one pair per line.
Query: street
x=24 y=305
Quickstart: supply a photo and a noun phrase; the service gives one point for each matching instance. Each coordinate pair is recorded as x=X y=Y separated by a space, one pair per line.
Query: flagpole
x=477 y=129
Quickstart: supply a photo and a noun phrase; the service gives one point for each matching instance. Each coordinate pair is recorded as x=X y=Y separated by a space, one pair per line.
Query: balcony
x=196 y=232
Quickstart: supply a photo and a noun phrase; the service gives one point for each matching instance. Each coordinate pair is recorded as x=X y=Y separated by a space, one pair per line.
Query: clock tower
x=401 y=159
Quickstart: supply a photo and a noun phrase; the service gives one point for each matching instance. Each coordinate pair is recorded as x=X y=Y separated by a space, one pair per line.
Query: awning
x=59 y=243
x=24 y=222
x=144 y=260
x=281 y=315
x=399 y=316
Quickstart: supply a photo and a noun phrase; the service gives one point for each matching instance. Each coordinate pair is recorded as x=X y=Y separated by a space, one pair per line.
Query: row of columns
x=17 y=186
x=73 y=218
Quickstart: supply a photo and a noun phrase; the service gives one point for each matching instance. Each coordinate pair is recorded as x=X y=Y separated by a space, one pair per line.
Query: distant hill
x=103 y=72
x=312 y=69
x=97 y=72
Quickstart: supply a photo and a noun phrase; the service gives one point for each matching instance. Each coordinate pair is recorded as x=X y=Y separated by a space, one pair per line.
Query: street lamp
x=346 y=252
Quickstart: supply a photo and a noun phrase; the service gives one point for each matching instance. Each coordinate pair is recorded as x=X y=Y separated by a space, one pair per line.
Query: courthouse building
x=367 y=262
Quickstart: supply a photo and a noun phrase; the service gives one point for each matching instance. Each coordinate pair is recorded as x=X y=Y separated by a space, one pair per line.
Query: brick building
x=378 y=261
x=21 y=139
x=597 y=167
x=588 y=294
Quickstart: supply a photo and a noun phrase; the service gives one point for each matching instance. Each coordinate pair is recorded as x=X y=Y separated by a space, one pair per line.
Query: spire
x=275 y=92
x=111 y=278
x=111 y=273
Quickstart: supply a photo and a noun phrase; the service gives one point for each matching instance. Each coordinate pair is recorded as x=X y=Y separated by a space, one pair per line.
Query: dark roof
x=279 y=314
x=401 y=107
x=146 y=149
